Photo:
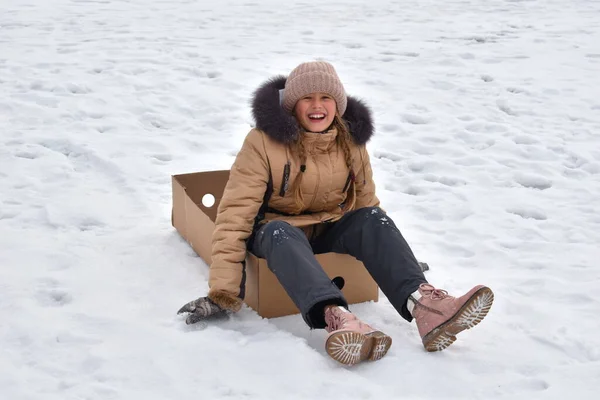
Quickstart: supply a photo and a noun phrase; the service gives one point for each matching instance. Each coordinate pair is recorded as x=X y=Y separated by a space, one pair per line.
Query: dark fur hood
x=281 y=126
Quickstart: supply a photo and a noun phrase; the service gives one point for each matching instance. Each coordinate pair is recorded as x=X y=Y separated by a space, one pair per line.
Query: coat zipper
x=285 y=179
x=317 y=185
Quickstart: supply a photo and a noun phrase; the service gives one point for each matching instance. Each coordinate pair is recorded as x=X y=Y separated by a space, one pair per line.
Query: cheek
x=331 y=108
x=300 y=108
x=331 y=111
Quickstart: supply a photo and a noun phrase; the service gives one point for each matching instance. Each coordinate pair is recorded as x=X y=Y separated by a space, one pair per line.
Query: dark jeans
x=368 y=234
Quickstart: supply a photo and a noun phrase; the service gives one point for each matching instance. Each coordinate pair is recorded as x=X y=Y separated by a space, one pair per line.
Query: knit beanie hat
x=311 y=77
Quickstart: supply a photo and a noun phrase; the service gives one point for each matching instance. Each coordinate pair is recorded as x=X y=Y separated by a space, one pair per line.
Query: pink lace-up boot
x=440 y=317
x=350 y=340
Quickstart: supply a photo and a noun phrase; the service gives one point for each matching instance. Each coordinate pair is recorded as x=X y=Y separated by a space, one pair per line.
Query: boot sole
x=350 y=348
x=469 y=315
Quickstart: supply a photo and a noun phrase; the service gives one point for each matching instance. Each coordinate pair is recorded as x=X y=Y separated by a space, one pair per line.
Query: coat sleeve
x=241 y=201
x=365 y=186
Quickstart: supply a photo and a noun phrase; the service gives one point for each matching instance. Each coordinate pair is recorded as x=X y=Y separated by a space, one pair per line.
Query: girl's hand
x=201 y=309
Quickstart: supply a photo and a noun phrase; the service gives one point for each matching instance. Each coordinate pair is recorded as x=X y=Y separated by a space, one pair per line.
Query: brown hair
x=344 y=141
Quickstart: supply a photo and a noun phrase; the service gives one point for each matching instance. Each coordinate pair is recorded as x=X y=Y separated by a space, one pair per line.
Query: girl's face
x=315 y=111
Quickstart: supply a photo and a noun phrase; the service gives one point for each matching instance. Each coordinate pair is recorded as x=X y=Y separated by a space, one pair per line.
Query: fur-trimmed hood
x=283 y=127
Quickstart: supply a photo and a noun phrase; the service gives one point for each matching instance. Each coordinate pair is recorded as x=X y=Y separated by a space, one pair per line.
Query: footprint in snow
x=445 y=180
x=213 y=74
x=7 y=214
x=516 y=90
x=89 y=224
x=443 y=85
x=525 y=139
x=505 y=108
x=476 y=141
x=434 y=139
x=75 y=88
x=27 y=155
x=421 y=165
x=162 y=158
x=104 y=128
x=53 y=297
x=353 y=46
x=413 y=190
x=533 y=181
x=573 y=161
x=158 y=124
x=424 y=149
x=387 y=156
x=99 y=70
x=401 y=53
x=479 y=39
x=528 y=213
x=471 y=161
x=93 y=114
x=50 y=295
x=44 y=101
x=485 y=127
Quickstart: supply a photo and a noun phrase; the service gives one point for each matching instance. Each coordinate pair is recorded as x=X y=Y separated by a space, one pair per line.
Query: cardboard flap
x=199 y=184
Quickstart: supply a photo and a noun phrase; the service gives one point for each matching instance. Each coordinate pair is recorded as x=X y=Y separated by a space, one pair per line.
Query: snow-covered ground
x=487 y=155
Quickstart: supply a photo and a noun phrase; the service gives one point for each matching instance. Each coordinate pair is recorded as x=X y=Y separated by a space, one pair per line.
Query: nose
x=316 y=103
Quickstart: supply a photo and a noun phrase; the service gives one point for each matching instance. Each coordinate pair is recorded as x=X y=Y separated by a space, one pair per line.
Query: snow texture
x=486 y=156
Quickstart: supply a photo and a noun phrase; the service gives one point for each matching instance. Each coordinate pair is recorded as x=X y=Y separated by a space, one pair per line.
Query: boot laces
x=430 y=291
x=433 y=293
x=336 y=318
x=333 y=320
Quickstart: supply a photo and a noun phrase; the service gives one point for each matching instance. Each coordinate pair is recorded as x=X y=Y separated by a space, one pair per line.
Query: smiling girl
x=302 y=184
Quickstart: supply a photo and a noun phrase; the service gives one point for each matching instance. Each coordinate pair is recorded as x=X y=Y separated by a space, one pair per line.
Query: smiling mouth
x=316 y=117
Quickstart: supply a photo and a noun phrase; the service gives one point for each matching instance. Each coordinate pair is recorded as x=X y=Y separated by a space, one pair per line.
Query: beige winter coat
x=264 y=153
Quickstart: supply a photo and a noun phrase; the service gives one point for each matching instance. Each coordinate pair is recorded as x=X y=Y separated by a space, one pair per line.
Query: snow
x=486 y=156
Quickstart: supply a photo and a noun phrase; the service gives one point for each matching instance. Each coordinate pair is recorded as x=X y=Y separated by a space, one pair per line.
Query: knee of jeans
x=272 y=227
x=370 y=211
x=278 y=232
x=375 y=215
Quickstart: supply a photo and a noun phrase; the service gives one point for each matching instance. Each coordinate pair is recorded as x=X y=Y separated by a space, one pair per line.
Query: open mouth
x=316 y=117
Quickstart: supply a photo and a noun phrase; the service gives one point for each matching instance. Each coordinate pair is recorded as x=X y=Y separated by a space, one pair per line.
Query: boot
x=350 y=340
x=440 y=317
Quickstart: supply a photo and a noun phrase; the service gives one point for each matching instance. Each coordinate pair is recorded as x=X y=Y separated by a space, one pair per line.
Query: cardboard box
x=195 y=223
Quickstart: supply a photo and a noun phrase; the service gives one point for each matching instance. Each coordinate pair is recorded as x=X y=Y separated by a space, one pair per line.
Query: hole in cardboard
x=339 y=282
x=208 y=200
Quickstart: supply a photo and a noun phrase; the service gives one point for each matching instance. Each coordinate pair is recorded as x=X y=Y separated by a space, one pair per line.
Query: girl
x=302 y=184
